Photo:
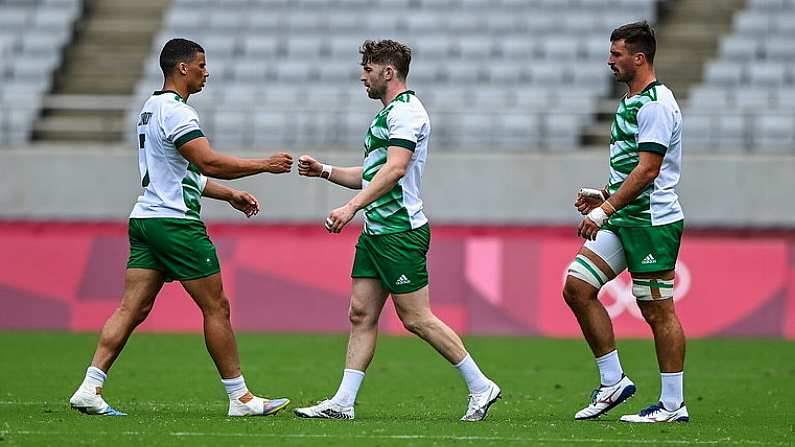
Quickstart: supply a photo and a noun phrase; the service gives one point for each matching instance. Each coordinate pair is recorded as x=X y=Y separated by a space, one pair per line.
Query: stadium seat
x=739 y=48
x=501 y=55
x=724 y=73
x=774 y=134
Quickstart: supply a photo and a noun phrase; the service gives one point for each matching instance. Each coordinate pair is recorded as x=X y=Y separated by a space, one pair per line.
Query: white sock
x=95 y=378
x=235 y=388
x=610 y=371
x=476 y=380
x=672 y=393
x=349 y=388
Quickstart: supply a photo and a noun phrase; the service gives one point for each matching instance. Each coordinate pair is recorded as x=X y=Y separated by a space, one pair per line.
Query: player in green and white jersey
x=168 y=240
x=634 y=223
x=392 y=249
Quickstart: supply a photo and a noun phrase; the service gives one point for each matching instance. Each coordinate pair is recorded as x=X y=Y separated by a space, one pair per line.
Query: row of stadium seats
x=240 y=127
x=710 y=97
x=596 y=6
x=32 y=36
x=555 y=47
x=269 y=22
x=746 y=101
x=763 y=22
x=754 y=73
x=279 y=60
x=247 y=76
x=762 y=131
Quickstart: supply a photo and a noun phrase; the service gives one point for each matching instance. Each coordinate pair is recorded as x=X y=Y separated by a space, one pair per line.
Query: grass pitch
x=738 y=393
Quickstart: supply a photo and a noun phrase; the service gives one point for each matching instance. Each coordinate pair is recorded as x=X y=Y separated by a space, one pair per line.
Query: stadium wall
x=484 y=280
x=65 y=183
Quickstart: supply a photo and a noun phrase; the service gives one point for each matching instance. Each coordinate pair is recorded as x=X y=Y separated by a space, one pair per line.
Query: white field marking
x=420 y=437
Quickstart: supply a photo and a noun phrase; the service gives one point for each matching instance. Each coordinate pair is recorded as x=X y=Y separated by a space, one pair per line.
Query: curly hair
x=387 y=52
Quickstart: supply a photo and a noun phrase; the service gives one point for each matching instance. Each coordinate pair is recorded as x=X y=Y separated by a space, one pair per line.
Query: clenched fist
x=279 y=163
x=309 y=167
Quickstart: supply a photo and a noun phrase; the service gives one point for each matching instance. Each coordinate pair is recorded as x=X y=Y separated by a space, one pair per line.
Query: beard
x=376 y=93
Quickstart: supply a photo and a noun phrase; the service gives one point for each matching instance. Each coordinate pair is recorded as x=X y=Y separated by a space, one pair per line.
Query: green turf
x=738 y=393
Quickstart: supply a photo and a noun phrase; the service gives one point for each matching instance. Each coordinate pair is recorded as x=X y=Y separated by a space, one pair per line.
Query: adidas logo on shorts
x=402 y=281
x=649 y=259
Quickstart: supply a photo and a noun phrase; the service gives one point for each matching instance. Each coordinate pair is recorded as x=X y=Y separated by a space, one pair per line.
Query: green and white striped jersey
x=172 y=186
x=649 y=121
x=404 y=123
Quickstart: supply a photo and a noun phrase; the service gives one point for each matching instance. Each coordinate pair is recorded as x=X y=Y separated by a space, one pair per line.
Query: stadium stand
x=745 y=102
x=514 y=74
x=32 y=36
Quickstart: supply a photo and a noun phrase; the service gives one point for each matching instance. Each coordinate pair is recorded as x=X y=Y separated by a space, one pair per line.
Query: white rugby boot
x=658 y=413
x=89 y=400
x=256 y=406
x=480 y=403
x=605 y=398
x=325 y=410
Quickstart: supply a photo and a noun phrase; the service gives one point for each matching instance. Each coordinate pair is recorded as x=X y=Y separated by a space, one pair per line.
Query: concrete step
x=99 y=84
x=120 y=25
x=79 y=128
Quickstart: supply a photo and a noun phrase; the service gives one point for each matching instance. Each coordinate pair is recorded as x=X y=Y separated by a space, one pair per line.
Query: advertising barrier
x=484 y=280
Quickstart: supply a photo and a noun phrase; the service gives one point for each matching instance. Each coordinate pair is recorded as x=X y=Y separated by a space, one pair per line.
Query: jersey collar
x=162 y=92
x=653 y=84
x=407 y=92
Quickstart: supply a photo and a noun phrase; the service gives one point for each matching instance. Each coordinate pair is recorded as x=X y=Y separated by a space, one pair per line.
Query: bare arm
x=636 y=182
x=240 y=200
x=394 y=169
x=348 y=177
x=217 y=165
x=397 y=161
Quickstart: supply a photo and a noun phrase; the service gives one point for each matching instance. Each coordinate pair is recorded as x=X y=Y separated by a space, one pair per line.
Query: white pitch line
x=423 y=437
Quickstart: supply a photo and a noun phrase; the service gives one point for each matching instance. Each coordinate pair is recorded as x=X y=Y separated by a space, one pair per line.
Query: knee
x=134 y=315
x=359 y=316
x=573 y=295
x=218 y=308
x=417 y=324
x=659 y=317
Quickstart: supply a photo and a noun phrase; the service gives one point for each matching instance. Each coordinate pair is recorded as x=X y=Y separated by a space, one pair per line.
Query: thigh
x=142 y=254
x=207 y=291
x=401 y=259
x=651 y=249
x=141 y=287
x=183 y=247
x=368 y=296
x=414 y=303
x=606 y=252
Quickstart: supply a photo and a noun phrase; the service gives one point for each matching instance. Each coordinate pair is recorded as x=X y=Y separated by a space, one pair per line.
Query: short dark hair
x=176 y=51
x=638 y=37
x=387 y=52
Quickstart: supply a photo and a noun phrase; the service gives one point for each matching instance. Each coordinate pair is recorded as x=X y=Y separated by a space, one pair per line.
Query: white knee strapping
x=584 y=269
x=652 y=289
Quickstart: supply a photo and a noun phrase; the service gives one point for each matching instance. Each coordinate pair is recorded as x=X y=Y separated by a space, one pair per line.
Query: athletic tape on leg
x=584 y=269
x=652 y=289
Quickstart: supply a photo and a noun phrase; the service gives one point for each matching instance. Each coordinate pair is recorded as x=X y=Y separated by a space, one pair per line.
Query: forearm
x=217 y=191
x=348 y=177
x=383 y=182
x=229 y=168
x=636 y=182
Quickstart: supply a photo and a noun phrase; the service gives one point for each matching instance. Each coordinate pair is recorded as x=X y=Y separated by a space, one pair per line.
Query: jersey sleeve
x=181 y=125
x=405 y=125
x=655 y=128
